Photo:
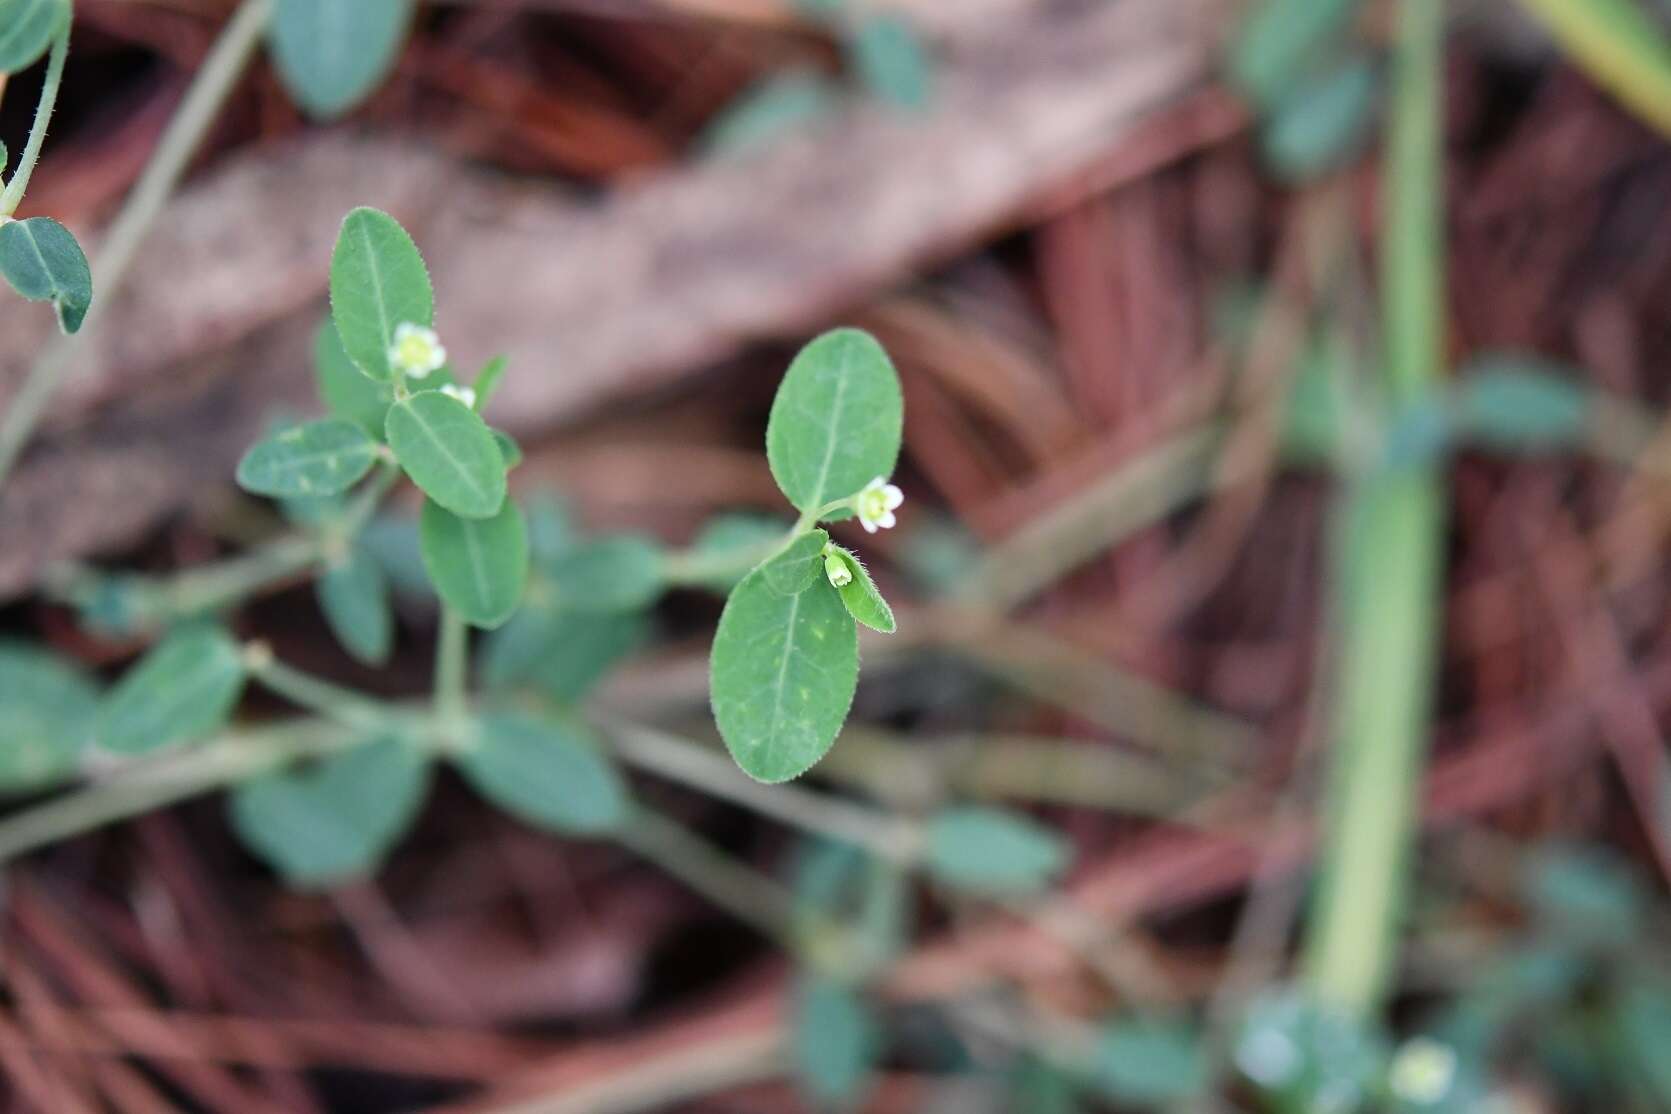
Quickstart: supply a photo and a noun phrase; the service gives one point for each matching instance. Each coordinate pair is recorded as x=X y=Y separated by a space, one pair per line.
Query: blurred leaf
x=392 y=541
x=332 y=53
x=548 y=773
x=835 y=423
x=378 y=283
x=783 y=673
x=353 y=594
x=27 y=28
x=563 y=653
x=347 y=391
x=46 y=717
x=449 y=452
x=1585 y=893
x=746 y=535
x=183 y=689
x=794 y=570
x=325 y=457
x=1039 y=1088
x=488 y=380
x=1510 y=402
x=621 y=572
x=886 y=53
x=1318 y=415
x=509 y=450
x=335 y=820
x=1150 y=1062
x=43 y=263
x=551 y=528
x=1644 y=1022
x=1417 y=436
x=5 y=157
x=479 y=566
x=1324 y=123
x=778 y=106
x=836 y=1042
x=1308 y=1057
x=992 y=851
x=1283 y=41
x=862 y=598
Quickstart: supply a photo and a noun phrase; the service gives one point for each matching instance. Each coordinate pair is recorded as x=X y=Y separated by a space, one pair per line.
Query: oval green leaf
x=991 y=851
x=1509 y=402
x=561 y=653
x=782 y=676
x=836 y=1043
x=479 y=566
x=622 y=572
x=1150 y=1063
x=548 y=773
x=336 y=820
x=27 y=28
x=889 y=58
x=346 y=390
x=378 y=283
x=798 y=566
x=836 y=421
x=332 y=53
x=862 y=598
x=43 y=263
x=184 y=689
x=449 y=452
x=353 y=594
x=326 y=457
x=46 y=717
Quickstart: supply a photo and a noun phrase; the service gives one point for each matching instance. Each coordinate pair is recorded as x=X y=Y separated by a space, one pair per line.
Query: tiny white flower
x=466 y=395
x=836 y=569
x=1423 y=1071
x=876 y=504
x=416 y=351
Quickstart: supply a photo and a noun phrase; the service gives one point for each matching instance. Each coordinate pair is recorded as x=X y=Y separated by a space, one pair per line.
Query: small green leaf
x=890 y=61
x=861 y=596
x=1509 y=402
x=618 y=573
x=449 y=452
x=508 y=448
x=479 y=566
x=1150 y=1063
x=1282 y=41
x=782 y=676
x=353 y=594
x=378 y=283
x=336 y=820
x=488 y=380
x=46 y=717
x=332 y=53
x=991 y=851
x=546 y=772
x=27 y=28
x=1586 y=892
x=769 y=110
x=836 y=421
x=43 y=263
x=1644 y=1021
x=326 y=457
x=345 y=389
x=836 y=1043
x=798 y=566
x=184 y=689
x=1324 y=123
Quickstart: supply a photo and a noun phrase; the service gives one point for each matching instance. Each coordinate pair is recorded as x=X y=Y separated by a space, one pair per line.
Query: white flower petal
x=870 y=527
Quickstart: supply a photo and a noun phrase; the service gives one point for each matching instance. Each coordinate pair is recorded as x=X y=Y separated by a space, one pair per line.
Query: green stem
x=1387 y=571
x=1618 y=44
x=316 y=695
x=751 y=896
x=13 y=195
x=690 y=764
x=452 y=649
x=209 y=89
x=693 y=568
x=154 y=785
